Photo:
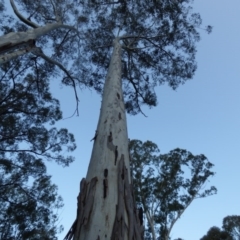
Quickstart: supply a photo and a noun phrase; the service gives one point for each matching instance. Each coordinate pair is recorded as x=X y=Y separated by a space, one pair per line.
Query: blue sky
x=202 y=116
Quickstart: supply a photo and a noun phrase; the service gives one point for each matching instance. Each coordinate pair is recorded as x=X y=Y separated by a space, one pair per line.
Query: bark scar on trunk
x=110 y=138
x=105 y=187
x=110 y=144
x=105 y=172
x=116 y=154
x=105 y=183
x=118 y=96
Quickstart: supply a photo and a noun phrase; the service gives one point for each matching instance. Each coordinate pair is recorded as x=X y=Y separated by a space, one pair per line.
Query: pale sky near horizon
x=202 y=116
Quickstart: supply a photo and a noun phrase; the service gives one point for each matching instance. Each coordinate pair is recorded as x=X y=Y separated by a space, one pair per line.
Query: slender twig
x=50 y=60
x=55 y=11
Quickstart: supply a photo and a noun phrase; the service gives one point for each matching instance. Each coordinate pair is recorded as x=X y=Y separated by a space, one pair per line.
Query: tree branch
x=13 y=39
x=137 y=93
x=181 y=212
x=63 y=40
x=21 y=17
x=151 y=223
x=48 y=59
x=135 y=36
x=55 y=11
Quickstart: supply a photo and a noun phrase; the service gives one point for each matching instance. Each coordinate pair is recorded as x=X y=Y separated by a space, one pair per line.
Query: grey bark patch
x=110 y=144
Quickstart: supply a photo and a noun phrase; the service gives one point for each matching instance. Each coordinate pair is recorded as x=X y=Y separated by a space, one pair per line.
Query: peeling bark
x=81 y=203
x=85 y=203
x=125 y=201
x=119 y=224
x=89 y=202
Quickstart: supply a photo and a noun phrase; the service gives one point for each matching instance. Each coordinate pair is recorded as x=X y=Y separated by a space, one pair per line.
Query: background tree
x=28 y=138
x=231 y=224
x=230 y=230
x=166 y=184
x=215 y=233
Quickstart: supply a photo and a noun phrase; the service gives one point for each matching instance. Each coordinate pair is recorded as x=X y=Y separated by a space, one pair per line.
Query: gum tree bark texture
x=106 y=208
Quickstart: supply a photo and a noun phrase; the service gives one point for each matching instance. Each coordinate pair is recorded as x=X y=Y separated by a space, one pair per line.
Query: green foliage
x=28 y=200
x=166 y=184
x=158 y=41
x=58 y=48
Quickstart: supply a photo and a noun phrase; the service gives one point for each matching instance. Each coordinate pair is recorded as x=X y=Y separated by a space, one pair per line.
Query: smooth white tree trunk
x=106 y=209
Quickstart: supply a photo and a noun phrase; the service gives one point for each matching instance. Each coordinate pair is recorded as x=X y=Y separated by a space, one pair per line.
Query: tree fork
x=106 y=208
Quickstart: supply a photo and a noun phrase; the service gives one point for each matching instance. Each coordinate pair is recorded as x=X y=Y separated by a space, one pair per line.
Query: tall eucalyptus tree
x=135 y=46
